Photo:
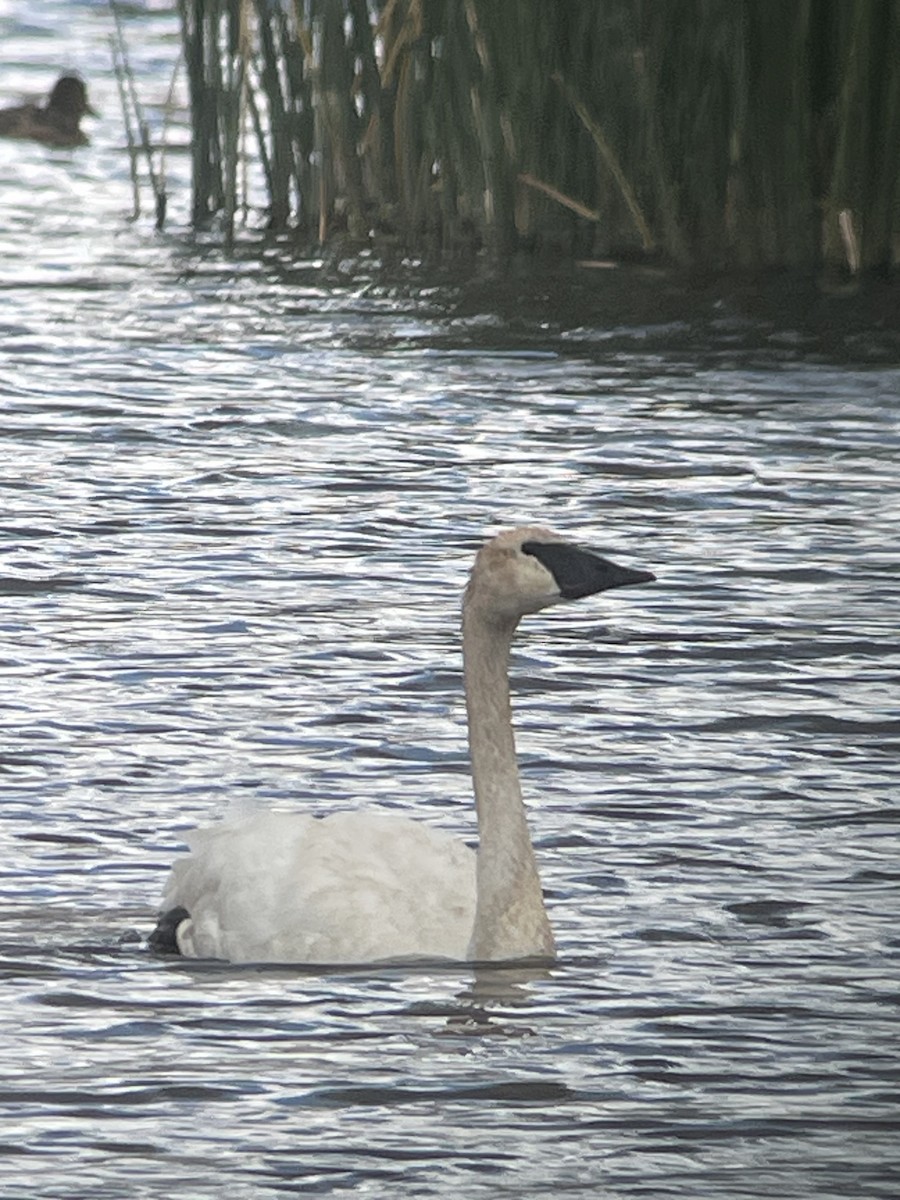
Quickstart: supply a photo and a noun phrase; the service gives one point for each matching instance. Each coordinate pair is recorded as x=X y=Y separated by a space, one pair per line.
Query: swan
x=356 y=887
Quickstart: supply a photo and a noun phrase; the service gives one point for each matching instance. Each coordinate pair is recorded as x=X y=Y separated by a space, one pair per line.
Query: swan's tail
x=163 y=939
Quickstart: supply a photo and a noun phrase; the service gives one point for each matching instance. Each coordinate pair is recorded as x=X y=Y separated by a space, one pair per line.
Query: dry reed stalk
x=611 y=160
x=131 y=105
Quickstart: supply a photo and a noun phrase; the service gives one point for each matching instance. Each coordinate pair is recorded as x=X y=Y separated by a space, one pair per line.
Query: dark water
x=239 y=499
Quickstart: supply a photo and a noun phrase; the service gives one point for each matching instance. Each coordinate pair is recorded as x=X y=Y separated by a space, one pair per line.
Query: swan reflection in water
x=487 y=1006
x=356 y=887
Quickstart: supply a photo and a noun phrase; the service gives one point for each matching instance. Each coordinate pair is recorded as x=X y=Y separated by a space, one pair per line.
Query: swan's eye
x=549 y=554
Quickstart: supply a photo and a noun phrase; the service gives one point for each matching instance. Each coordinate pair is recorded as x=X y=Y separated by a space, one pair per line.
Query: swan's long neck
x=510 y=920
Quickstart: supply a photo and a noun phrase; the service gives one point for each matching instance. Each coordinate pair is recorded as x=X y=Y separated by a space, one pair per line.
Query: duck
x=58 y=122
x=357 y=887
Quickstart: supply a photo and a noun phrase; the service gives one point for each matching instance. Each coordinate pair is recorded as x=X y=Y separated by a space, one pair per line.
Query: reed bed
x=710 y=133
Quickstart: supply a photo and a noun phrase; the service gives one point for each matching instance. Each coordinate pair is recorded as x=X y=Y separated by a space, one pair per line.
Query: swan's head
x=526 y=569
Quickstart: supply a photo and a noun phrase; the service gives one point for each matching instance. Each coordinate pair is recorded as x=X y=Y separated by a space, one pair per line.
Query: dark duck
x=58 y=122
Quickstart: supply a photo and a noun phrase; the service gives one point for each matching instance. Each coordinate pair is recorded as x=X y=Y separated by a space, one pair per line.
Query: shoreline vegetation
x=702 y=134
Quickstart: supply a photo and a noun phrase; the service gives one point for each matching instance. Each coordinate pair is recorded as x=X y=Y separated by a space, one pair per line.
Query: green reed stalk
x=716 y=133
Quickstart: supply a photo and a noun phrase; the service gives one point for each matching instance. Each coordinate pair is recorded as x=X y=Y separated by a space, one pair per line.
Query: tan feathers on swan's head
x=507 y=583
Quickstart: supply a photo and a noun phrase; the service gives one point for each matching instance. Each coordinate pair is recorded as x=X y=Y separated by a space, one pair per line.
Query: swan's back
x=349 y=887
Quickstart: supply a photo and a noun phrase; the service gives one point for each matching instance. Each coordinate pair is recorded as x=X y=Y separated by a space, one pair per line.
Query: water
x=240 y=497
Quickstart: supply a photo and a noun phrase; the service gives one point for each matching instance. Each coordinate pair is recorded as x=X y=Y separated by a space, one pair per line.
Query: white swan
x=359 y=887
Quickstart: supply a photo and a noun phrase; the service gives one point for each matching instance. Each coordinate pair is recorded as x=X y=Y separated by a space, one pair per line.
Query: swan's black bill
x=579 y=572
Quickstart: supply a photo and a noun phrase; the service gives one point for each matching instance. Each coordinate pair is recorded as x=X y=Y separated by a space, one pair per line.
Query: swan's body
x=359 y=887
x=274 y=887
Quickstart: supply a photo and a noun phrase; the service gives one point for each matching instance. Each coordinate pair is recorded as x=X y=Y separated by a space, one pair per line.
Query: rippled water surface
x=239 y=501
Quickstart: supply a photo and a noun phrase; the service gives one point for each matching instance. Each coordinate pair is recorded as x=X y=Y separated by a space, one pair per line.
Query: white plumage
x=352 y=887
x=357 y=887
